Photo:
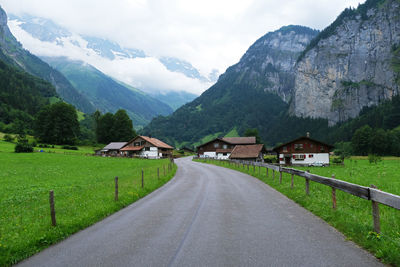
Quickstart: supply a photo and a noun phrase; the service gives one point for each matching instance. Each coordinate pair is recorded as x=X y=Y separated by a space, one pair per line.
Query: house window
x=225 y=147
x=299 y=157
x=225 y=154
x=280 y=159
x=137 y=144
x=216 y=145
x=298 y=146
x=285 y=149
x=147 y=148
x=311 y=156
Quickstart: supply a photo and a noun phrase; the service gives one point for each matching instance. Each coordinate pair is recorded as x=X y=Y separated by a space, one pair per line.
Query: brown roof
x=223 y=150
x=298 y=139
x=240 y=140
x=153 y=141
x=246 y=151
x=132 y=148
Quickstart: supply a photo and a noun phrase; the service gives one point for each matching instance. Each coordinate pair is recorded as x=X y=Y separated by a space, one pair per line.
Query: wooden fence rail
x=368 y=193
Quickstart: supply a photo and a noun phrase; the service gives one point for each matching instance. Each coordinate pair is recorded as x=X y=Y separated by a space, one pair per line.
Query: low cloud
x=147 y=74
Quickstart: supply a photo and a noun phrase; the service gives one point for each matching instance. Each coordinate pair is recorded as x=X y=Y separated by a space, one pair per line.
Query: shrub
x=337 y=161
x=23 y=146
x=8 y=138
x=70 y=147
x=372 y=158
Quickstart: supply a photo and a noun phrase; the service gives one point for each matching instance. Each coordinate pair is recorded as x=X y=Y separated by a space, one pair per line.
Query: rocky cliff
x=269 y=63
x=350 y=64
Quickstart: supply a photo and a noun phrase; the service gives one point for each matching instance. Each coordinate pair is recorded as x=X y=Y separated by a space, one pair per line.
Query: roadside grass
x=353 y=216
x=83 y=191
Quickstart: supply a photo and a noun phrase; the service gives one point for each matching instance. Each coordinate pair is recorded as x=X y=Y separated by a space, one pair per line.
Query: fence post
x=158 y=173
x=273 y=174
x=333 y=195
x=266 y=171
x=375 y=214
x=142 y=178
x=280 y=175
x=259 y=167
x=291 y=184
x=52 y=209
x=307 y=185
x=116 y=188
x=164 y=167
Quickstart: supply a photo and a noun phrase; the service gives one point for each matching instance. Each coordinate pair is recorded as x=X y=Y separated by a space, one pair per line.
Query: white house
x=303 y=151
x=147 y=147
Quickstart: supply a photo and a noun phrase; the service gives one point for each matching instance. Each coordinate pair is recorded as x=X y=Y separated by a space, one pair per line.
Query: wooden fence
x=369 y=193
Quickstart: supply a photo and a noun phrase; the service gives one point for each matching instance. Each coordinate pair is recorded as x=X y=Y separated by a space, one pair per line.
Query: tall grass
x=353 y=216
x=83 y=190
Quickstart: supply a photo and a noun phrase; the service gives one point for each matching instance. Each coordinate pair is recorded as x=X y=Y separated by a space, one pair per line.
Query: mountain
x=177 y=65
x=174 y=99
x=254 y=93
x=21 y=97
x=296 y=80
x=15 y=55
x=108 y=95
x=350 y=64
x=95 y=51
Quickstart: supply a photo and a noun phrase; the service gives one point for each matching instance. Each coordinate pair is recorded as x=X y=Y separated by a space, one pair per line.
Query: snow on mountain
x=44 y=37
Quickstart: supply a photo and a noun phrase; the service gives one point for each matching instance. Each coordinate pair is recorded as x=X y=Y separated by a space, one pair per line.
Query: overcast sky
x=210 y=34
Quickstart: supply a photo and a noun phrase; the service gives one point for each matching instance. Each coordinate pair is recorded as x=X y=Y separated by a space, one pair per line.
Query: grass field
x=353 y=216
x=83 y=190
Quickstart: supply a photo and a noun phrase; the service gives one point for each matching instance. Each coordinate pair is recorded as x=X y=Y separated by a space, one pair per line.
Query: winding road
x=208 y=216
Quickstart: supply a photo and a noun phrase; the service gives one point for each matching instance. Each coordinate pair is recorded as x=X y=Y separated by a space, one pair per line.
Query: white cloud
x=208 y=33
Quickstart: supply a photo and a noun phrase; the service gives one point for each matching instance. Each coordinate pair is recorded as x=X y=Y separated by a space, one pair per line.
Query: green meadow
x=353 y=216
x=83 y=190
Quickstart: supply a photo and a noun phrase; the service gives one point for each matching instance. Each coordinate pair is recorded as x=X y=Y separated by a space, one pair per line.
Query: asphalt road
x=208 y=216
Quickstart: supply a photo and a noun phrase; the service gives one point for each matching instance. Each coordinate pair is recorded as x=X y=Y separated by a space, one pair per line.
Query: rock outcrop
x=269 y=63
x=350 y=66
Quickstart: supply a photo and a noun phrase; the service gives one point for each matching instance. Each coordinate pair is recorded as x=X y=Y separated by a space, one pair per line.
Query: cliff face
x=352 y=67
x=269 y=63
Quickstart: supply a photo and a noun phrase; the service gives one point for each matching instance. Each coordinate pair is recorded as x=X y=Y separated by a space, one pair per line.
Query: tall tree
x=253 y=132
x=361 y=140
x=57 y=124
x=122 y=127
x=104 y=128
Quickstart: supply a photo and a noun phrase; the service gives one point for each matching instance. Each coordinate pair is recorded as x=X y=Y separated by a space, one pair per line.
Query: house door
x=287 y=159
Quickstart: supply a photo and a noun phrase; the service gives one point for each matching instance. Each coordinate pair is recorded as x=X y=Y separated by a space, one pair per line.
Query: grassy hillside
x=84 y=194
x=107 y=95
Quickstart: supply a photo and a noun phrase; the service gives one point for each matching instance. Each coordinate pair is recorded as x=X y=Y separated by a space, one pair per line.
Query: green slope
x=106 y=94
x=14 y=54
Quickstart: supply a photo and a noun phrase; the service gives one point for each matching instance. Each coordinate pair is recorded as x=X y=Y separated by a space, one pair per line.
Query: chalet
x=147 y=147
x=112 y=149
x=187 y=150
x=221 y=148
x=248 y=152
x=303 y=151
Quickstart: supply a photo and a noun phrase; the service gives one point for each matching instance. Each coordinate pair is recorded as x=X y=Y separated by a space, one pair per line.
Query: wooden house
x=221 y=148
x=304 y=151
x=147 y=147
x=248 y=152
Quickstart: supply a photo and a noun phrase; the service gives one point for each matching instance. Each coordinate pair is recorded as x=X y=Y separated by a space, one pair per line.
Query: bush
x=337 y=161
x=372 y=158
x=70 y=147
x=34 y=143
x=23 y=146
x=8 y=138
